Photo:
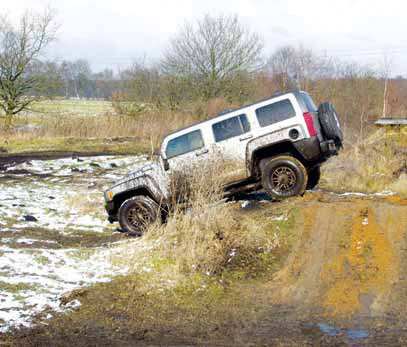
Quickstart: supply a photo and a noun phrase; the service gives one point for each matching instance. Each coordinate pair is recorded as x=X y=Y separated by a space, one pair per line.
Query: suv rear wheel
x=136 y=214
x=284 y=177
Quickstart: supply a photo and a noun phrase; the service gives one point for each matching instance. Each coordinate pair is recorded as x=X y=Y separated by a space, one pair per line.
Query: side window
x=184 y=144
x=309 y=103
x=275 y=112
x=230 y=127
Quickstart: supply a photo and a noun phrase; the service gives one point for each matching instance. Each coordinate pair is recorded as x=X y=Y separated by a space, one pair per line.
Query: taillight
x=310 y=123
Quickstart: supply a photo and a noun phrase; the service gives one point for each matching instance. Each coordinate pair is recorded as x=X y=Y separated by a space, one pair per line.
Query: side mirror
x=166 y=164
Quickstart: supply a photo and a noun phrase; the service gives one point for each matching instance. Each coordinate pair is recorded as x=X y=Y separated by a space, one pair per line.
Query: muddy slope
x=341 y=285
x=350 y=257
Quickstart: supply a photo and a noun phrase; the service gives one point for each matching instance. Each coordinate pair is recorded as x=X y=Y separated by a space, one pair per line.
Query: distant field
x=71 y=107
x=88 y=126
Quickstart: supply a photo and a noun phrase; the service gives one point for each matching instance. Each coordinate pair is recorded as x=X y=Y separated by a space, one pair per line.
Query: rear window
x=309 y=103
x=275 y=112
x=230 y=127
x=184 y=144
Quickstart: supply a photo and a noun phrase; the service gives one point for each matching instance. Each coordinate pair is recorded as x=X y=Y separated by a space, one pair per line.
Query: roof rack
x=225 y=111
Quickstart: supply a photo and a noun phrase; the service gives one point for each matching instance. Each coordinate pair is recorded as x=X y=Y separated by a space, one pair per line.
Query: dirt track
x=344 y=282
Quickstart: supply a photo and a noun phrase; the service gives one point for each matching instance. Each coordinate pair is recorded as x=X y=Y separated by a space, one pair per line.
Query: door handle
x=245 y=137
x=202 y=151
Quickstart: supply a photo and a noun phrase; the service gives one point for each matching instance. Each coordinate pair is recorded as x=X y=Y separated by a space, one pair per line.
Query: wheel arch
x=268 y=151
x=120 y=198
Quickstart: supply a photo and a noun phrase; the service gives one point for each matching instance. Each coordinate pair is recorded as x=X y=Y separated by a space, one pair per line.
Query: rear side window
x=184 y=144
x=275 y=112
x=230 y=127
x=309 y=103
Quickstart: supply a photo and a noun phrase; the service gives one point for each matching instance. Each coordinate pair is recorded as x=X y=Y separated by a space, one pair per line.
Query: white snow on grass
x=360 y=194
x=38 y=278
x=46 y=198
x=51 y=197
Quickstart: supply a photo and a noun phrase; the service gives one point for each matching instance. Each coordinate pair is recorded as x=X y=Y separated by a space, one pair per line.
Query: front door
x=186 y=154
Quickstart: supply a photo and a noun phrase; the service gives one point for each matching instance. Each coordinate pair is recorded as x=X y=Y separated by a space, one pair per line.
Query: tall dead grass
x=210 y=236
x=377 y=164
x=148 y=127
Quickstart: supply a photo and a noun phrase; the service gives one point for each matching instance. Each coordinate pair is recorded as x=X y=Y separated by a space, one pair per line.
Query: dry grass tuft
x=400 y=185
x=375 y=165
x=210 y=236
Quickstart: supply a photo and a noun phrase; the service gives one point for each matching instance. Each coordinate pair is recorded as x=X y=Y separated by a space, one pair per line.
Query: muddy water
x=54 y=236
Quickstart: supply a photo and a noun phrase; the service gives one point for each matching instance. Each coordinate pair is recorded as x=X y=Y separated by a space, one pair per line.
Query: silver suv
x=275 y=144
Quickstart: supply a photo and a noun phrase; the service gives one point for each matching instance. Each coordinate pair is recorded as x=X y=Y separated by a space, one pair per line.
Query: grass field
x=71 y=107
x=86 y=125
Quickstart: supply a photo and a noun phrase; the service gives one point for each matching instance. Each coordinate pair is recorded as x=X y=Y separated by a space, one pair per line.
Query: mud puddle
x=54 y=235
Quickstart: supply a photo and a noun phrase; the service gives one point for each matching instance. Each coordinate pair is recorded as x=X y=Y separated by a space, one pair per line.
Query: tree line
x=215 y=56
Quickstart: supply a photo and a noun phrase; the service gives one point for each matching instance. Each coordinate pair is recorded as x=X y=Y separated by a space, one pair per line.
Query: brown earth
x=343 y=284
x=349 y=258
x=347 y=272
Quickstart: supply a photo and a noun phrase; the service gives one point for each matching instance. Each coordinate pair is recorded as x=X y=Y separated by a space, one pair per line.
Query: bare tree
x=283 y=66
x=295 y=68
x=211 y=51
x=49 y=79
x=20 y=46
x=386 y=68
x=141 y=81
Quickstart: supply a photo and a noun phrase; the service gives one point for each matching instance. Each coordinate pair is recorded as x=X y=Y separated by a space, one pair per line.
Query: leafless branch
x=20 y=45
x=212 y=50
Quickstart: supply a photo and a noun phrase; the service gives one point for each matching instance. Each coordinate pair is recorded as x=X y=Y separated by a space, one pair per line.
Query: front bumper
x=112 y=214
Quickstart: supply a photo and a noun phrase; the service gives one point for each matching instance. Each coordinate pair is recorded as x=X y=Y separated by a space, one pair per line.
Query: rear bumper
x=315 y=151
x=309 y=148
x=328 y=148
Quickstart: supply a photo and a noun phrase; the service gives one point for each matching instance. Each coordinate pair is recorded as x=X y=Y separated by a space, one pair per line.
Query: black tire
x=284 y=177
x=313 y=177
x=328 y=119
x=137 y=214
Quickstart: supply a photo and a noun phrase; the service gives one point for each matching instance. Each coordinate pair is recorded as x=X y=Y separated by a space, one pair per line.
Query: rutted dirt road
x=344 y=281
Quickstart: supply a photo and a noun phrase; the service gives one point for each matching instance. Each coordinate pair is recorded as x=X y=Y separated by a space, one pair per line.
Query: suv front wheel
x=136 y=214
x=283 y=177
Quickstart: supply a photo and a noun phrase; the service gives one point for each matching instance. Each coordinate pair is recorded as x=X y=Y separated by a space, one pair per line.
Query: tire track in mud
x=349 y=256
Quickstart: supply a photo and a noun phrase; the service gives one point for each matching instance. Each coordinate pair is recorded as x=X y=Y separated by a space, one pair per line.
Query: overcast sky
x=113 y=33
